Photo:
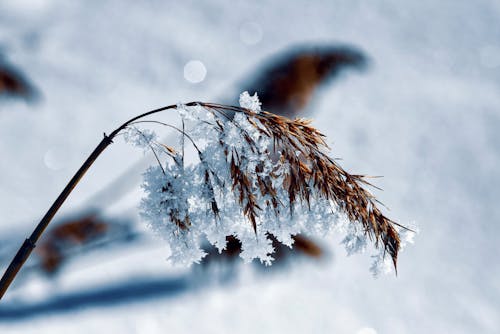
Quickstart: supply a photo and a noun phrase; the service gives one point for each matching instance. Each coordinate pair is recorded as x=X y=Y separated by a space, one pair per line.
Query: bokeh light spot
x=366 y=330
x=250 y=33
x=54 y=159
x=195 y=71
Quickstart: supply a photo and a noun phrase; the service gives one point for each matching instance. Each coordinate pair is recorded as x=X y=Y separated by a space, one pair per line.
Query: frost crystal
x=139 y=138
x=256 y=175
x=250 y=102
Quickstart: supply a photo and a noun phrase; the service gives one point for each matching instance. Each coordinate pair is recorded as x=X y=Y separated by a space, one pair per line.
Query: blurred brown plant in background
x=13 y=83
x=287 y=82
x=67 y=235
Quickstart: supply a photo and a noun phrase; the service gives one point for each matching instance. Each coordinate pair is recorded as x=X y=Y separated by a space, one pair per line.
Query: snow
x=250 y=102
x=425 y=116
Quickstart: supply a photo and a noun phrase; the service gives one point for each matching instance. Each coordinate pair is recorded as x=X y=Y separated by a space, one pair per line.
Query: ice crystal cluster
x=256 y=175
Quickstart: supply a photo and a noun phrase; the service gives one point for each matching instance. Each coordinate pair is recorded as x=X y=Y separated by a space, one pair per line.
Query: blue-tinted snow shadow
x=130 y=291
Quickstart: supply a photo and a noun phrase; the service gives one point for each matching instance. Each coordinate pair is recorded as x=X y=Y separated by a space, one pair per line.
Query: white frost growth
x=214 y=197
x=383 y=264
x=355 y=242
x=139 y=138
x=250 y=102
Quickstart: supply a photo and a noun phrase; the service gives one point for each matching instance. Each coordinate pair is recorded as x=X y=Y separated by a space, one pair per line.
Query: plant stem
x=29 y=244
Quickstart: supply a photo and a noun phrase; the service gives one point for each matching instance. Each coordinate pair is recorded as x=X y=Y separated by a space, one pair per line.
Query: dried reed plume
x=311 y=172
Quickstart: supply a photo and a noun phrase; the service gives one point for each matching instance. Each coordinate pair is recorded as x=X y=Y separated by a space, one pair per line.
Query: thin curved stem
x=30 y=243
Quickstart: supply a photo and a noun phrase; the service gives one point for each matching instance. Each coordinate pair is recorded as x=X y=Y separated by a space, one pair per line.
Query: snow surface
x=425 y=116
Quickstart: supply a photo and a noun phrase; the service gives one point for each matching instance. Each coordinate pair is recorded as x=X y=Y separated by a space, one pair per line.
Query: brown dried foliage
x=70 y=233
x=312 y=173
x=13 y=83
x=287 y=85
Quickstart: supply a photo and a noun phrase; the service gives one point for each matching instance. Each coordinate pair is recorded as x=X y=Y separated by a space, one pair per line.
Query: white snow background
x=426 y=116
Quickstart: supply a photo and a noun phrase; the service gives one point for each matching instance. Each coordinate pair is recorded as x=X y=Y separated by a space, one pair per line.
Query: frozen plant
x=256 y=176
